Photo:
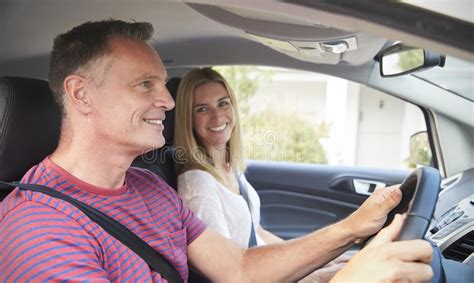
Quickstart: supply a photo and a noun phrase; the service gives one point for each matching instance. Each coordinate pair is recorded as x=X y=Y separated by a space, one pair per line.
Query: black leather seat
x=29 y=126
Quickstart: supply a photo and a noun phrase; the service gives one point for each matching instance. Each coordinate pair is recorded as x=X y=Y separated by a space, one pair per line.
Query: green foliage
x=283 y=137
x=269 y=135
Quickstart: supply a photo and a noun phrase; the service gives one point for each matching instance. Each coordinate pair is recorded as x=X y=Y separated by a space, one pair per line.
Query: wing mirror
x=400 y=59
x=420 y=151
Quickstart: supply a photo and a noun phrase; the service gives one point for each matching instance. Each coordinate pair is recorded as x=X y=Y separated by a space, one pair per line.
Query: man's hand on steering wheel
x=383 y=260
x=369 y=218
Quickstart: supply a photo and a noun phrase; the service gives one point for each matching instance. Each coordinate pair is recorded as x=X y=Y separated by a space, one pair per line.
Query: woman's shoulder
x=195 y=181
x=197 y=174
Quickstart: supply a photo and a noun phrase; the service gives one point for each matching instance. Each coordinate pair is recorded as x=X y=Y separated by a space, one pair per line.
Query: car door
x=317 y=145
x=299 y=198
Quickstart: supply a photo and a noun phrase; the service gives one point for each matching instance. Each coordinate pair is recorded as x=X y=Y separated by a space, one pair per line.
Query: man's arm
x=220 y=260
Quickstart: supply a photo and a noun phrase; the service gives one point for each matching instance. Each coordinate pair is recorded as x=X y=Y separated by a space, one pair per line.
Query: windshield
x=461 y=9
x=456 y=76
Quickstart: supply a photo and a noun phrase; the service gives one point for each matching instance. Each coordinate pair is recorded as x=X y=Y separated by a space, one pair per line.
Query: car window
x=298 y=116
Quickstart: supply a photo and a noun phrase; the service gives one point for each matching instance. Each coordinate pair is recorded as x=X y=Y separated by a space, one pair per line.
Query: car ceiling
x=186 y=36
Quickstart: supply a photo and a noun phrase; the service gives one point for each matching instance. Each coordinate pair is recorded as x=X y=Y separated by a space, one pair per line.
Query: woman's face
x=213 y=115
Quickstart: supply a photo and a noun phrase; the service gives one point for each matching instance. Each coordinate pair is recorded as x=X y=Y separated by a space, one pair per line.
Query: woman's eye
x=224 y=103
x=201 y=109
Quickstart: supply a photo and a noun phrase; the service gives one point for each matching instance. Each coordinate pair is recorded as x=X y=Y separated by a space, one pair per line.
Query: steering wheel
x=419 y=196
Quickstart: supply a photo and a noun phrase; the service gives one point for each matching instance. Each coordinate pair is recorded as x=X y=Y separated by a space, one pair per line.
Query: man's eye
x=145 y=85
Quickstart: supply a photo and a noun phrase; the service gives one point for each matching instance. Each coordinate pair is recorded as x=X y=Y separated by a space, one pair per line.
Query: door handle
x=367 y=187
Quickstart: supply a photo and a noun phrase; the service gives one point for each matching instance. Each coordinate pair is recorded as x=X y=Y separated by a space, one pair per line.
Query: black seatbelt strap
x=155 y=260
x=245 y=195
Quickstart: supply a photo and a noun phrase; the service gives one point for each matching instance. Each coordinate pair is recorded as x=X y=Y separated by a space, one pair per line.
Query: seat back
x=29 y=126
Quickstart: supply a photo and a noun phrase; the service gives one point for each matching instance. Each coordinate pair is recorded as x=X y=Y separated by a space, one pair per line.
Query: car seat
x=29 y=126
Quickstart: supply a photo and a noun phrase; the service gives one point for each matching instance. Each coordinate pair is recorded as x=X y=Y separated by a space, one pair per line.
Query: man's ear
x=76 y=90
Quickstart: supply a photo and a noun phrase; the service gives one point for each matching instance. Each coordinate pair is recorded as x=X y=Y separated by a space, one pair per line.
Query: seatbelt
x=155 y=260
x=244 y=194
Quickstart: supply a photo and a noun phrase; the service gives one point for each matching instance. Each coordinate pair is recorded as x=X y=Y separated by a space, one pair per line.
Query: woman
x=210 y=166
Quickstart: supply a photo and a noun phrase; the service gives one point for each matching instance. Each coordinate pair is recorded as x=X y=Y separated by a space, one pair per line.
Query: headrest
x=29 y=125
x=168 y=132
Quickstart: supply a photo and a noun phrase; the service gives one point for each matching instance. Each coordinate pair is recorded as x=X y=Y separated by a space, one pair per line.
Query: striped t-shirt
x=46 y=239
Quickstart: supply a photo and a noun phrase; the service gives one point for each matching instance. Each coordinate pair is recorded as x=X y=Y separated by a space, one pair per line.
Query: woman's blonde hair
x=191 y=152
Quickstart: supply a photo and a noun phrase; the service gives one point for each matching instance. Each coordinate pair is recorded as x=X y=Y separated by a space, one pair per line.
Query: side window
x=297 y=116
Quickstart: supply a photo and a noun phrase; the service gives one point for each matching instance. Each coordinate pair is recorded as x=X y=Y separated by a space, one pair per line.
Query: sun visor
x=322 y=51
x=304 y=40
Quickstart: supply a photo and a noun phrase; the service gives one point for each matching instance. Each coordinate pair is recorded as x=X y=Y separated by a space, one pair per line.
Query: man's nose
x=164 y=99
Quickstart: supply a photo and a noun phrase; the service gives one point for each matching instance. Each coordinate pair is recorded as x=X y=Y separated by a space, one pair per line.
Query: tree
x=268 y=138
x=265 y=136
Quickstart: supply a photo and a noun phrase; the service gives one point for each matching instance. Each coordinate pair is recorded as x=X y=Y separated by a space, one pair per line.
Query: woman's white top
x=222 y=210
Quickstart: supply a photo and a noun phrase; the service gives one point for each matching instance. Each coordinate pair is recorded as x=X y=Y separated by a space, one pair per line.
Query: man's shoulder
x=27 y=205
x=12 y=201
x=18 y=198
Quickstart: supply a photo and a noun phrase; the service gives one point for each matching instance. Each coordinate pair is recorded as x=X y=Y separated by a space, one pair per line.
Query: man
x=110 y=85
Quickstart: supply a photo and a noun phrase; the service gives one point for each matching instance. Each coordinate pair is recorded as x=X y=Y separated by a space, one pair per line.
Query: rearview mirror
x=400 y=59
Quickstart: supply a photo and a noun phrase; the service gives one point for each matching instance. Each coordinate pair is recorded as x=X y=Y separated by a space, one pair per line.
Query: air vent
x=461 y=249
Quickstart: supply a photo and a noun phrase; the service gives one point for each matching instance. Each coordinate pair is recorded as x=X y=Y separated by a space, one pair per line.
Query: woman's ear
x=77 y=93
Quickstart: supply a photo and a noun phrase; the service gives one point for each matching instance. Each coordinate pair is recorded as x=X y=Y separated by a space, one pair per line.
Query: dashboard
x=452 y=226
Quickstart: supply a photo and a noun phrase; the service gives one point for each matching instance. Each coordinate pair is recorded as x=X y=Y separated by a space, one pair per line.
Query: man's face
x=128 y=106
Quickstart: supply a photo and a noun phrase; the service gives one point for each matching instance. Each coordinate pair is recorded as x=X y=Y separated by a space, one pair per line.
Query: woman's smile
x=218 y=128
